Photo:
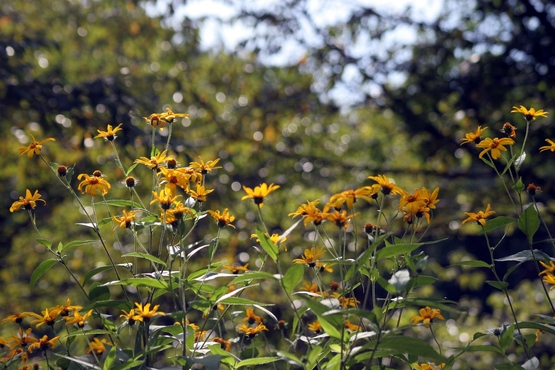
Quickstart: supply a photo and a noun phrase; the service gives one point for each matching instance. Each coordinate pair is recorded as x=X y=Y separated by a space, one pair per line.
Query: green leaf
x=529 y=222
x=212 y=248
x=501 y=285
x=392 y=250
x=519 y=186
x=506 y=338
x=131 y=168
x=290 y=358
x=488 y=162
x=480 y=348
x=99 y=293
x=110 y=358
x=252 y=275
x=525 y=255
x=292 y=277
x=497 y=222
x=75 y=243
x=411 y=346
x=472 y=263
x=41 y=270
x=242 y=301
x=46 y=243
x=146 y=256
x=140 y=282
x=536 y=325
x=267 y=244
x=122 y=203
x=257 y=361
x=94 y=272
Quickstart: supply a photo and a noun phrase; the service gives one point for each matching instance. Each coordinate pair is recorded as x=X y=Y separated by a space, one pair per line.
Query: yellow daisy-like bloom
x=28 y=202
x=310 y=213
x=15 y=318
x=48 y=316
x=204 y=168
x=199 y=194
x=349 y=197
x=310 y=256
x=549 y=279
x=251 y=318
x=495 y=145
x=479 y=217
x=124 y=221
x=251 y=332
x=340 y=218
x=388 y=186
x=551 y=146
x=473 y=137
x=35 y=147
x=430 y=199
x=154 y=162
x=259 y=193
x=412 y=203
x=161 y=119
x=351 y=327
x=529 y=114
x=549 y=269
x=315 y=327
x=67 y=307
x=165 y=198
x=236 y=268
x=130 y=316
x=110 y=133
x=426 y=316
x=428 y=366
x=93 y=185
x=173 y=215
x=97 y=346
x=144 y=313
x=225 y=344
x=77 y=318
x=275 y=238
x=223 y=219
x=44 y=343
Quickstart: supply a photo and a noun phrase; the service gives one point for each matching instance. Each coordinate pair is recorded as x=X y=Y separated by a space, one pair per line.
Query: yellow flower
x=315 y=327
x=495 y=146
x=473 y=137
x=93 y=184
x=388 y=186
x=130 y=316
x=44 y=343
x=351 y=327
x=29 y=202
x=110 y=133
x=529 y=114
x=200 y=194
x=549 y=269
x=251 y=318
x=160 y=119
x=549 y=278
x=16 y=318
x=259 y=193
x=428 y=366
x=125 y=221
x=310 y=213
x=48 y=316
x=349 y=197
x=430 y=200
x=144 y=313
x=340 y=218
x=97 y=346
x=236 y=268
x=204 y=168
x=479 y=217
x=551 y=146
x=165 y=198
x=176 y=213
x=154 y=162
x=225 y=344
x=426 y=316
x=412 y=203
x=251 y=332
x=67 y=307
x=310 y=256
x=35 y=147
x=223 y=219
x=77 y=318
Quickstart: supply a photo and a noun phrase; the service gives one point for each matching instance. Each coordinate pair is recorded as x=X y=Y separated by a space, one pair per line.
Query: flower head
x=154 y=162
x=110 y=133
x=165 y=198
x=77 y=318
x=203 y=167
x=551 y=146
x=97 y=346
x=473 y=137
x=340 y=218
x=495 y=145
x=124 y=221
x=225 y=344
x=223 y=219
x=35 y=147
x=251 y=318
x=479 y=217
x=429 y=366
x=315 y=327
x=44 y=343
x=93 y=185
x=29 y=202
x=349 y=197
x=259 y=193
x=236 y=268
x=310 y=256
x=426 y=315
x=144 y=313
x=310 y=213
x=251 y=332
x=388 y=186
x=529 y=114
x=48 y=316
x=161 y=119
x=200 y=194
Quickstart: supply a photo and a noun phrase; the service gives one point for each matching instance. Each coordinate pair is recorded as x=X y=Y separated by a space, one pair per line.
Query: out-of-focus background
x=312 y=95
